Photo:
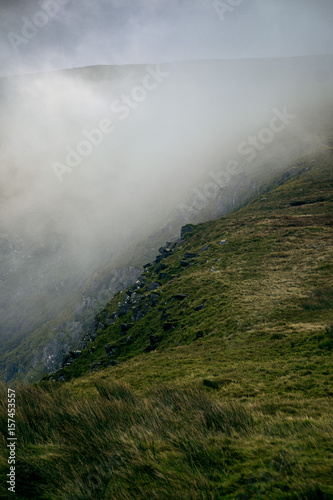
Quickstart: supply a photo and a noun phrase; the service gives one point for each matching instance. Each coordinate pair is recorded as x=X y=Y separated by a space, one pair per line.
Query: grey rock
x=179 y=296
x=123 y=309
x=188 y=228
x=153 y=286
x=198 y=308
x=189 y=255
x=110 y=350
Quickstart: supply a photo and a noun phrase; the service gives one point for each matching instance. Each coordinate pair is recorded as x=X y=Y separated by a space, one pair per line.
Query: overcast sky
x=51 y=34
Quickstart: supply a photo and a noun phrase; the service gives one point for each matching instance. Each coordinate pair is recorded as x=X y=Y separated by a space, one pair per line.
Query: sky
x=40 y=35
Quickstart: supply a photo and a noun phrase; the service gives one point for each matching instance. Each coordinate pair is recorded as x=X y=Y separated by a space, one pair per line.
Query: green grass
x=233 y=400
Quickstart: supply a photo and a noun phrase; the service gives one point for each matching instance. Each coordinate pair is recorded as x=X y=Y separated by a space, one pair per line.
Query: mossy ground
x=235 y=399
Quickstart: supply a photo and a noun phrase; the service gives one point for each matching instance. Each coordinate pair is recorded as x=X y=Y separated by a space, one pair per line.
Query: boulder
x=188 y=228
x=153 y=285
x=123 y=309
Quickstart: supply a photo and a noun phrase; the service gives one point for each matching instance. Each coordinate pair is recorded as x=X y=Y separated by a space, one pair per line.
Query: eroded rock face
x=72 y=335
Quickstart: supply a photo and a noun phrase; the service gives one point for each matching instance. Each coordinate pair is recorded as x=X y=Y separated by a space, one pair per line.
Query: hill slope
x=163 y=165
x=219 y=382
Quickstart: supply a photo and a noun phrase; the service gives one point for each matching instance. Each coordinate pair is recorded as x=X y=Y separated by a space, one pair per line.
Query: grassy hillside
x=54 y=237
x=209 y=378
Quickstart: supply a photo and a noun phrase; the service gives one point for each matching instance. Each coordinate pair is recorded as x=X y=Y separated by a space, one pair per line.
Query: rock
x=137 y=316
x=171 y=245
x=75 y=354
x=165 y=316
x=199 y=335
x=153 y=286
x=153 y=339
x=82 y=345
x=110 y=350
x=188 y=228
x=154 y=297
x=147 y=265
x=190 y=255
x=165 y=252
x=222 y=242
x=124 y=327
x=205 y=248
x=179 y=296
x=95 y=365
x=198 y=308
x=112 y=363
x=123 y=309
x=184 y=263
x=160 y=267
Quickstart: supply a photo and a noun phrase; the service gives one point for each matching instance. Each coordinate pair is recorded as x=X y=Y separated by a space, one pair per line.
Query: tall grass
x=173 y=443
x=115 y=441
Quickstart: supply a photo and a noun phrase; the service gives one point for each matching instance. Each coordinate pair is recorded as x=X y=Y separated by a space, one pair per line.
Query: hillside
x=67 y=245
x=211 y=376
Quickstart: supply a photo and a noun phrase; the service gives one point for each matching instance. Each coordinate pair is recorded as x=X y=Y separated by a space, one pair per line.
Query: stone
x=189 y=255
x=205 y=248
x=123 y=309
x=153 y=286
x=222 y=242
x=110 y=350
x=124 y=327
x=198 y=308
x=112 y=363
x=153 y=298
x=179 y=296
x=188 y=228
x=75 y=354
x=184 y=263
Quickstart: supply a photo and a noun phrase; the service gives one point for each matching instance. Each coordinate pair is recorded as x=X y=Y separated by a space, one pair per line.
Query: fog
x=98 y=159
x=95 y=157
